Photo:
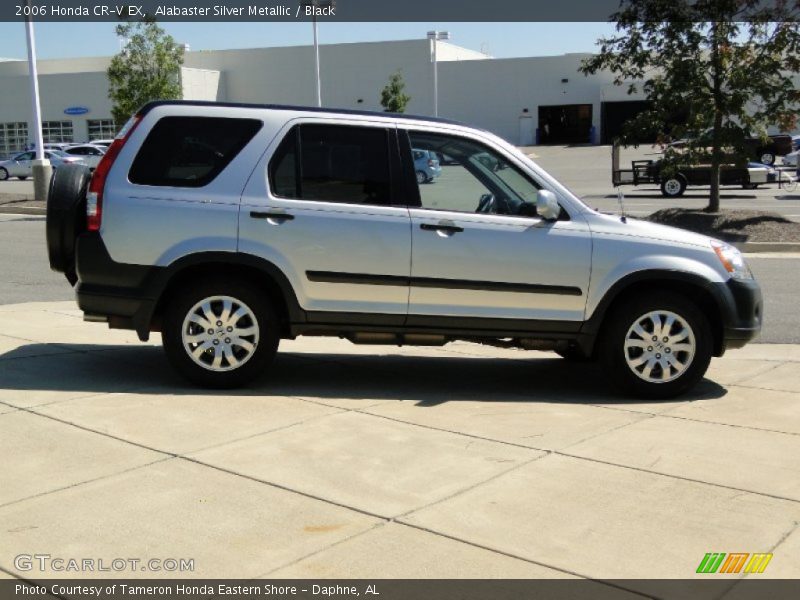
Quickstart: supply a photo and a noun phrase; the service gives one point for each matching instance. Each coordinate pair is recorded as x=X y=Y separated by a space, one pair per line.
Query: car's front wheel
x=657 y=345
x=220 y=334
x=3 y=174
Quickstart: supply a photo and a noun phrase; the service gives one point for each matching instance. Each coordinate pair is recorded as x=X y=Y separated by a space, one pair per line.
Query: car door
x=325 y=210
x=22 y=166
x=480 y=251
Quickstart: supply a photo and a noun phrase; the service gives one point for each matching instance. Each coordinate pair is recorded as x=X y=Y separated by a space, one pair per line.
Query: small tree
x=393 y=96
x=147 y=68
x=725 y=66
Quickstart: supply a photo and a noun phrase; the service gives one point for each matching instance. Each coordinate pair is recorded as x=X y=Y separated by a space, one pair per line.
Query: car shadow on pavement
x=426 y=380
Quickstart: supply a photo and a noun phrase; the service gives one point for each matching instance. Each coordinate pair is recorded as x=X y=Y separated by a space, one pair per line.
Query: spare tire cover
x=66 y=216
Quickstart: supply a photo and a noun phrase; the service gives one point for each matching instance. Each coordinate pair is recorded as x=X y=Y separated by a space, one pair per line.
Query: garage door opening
x=613 y=116
x=565 y=124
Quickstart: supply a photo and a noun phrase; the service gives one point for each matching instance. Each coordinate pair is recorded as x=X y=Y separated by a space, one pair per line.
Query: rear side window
x=190 y=151
x=333 y=163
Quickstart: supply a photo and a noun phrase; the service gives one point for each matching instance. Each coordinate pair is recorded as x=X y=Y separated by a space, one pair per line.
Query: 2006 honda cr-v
x=228 y=227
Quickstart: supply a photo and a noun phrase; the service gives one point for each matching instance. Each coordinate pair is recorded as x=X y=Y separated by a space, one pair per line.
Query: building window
x=101 y=129
x=13 y=138
x=57 y=132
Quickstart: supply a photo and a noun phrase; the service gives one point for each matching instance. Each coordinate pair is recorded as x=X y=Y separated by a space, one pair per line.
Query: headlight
x=732 y=260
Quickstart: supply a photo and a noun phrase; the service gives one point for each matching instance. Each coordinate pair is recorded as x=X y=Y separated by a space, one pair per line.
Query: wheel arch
x=705 y=294
x=251 y=269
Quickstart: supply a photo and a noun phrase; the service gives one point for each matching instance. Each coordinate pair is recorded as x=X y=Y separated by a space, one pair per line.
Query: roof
x=313 y=109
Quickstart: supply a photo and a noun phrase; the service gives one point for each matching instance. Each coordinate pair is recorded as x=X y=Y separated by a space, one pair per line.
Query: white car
x=21 y=165
x=790 y=160
x=103 y=143
x=89 y=153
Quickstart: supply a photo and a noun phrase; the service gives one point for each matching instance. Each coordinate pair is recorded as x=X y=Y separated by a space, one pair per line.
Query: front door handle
x=271 y=215
x=441 y=227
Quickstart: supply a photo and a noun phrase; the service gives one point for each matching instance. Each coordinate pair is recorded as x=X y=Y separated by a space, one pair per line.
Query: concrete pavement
x=365 y=461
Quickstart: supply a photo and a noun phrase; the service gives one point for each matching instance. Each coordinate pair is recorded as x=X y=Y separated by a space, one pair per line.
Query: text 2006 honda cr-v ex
x=229 y=227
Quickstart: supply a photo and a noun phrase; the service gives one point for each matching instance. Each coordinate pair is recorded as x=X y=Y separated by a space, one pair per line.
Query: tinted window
x=190 y=151
x=336 y=164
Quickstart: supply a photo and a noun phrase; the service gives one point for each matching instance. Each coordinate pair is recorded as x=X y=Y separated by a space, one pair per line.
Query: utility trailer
x=649 y=172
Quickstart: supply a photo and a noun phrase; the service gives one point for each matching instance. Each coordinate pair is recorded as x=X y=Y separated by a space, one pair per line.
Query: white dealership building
x=524 y=100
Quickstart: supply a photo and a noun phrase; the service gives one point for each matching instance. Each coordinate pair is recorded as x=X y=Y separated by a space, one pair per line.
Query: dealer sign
x=76 y=110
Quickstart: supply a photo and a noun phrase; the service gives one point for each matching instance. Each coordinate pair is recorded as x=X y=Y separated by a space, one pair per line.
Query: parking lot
x=352 y=461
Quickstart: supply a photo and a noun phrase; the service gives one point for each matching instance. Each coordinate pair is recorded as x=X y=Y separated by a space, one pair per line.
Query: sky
x=502 y=40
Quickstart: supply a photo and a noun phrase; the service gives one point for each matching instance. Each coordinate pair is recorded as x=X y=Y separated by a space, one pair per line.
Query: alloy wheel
x=660 y=346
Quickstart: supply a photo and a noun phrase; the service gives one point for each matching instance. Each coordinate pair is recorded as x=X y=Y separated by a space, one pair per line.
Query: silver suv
x=229 y=227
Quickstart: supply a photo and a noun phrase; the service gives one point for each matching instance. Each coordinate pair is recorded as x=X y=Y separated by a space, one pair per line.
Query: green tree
x=725 y=66
x=147 y=68
x=393 y=96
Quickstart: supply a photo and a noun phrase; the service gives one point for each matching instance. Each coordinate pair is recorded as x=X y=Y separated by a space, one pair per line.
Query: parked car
x=759 y=173
x=305 y=221
x=426 y=166
x=758 y=150
x=103 y=143
x=90 y=153
x=21 y=166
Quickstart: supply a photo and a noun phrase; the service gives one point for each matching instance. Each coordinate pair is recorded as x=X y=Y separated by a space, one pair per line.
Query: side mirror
x=547 y=205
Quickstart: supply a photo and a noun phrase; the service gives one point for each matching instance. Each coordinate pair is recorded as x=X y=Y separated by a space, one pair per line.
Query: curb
x=752 y=247
x=22 y=210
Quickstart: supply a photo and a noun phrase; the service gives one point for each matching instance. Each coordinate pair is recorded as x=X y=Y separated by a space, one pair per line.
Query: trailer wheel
x=673 y=187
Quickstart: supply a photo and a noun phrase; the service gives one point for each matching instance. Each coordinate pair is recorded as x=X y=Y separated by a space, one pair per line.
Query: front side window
x=466 y=176
x=333 y=163
x=190 y=151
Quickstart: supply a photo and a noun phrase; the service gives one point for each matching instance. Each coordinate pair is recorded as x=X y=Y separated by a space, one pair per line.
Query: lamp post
x=41 y=166
x=436 y=36
x=316 y=7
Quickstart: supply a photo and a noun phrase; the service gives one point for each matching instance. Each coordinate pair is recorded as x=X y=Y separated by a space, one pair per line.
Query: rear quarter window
x=190 y=151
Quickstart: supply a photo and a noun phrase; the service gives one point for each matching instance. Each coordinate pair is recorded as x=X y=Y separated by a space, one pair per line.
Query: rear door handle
x=275 y=215
x=441 y=227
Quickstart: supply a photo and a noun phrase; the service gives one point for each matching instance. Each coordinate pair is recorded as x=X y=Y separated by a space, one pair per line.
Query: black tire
x=674 y=187
x=66 y=217
x=613 y=352
x=749 y=186
x=3 y=174
x=180 y=305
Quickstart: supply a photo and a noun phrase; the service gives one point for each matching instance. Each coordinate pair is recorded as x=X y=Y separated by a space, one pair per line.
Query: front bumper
x=742 y=312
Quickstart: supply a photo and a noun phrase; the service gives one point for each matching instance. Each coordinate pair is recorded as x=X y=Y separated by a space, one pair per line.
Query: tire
x=421 y=177
x=749 y=186
x=259 y=321
x=626 y=354
x=66 y=217
x=767 y=158
x=3 y=174
x=674 y=187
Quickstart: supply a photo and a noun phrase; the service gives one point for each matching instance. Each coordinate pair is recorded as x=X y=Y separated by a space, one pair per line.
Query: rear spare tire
x=66 y=216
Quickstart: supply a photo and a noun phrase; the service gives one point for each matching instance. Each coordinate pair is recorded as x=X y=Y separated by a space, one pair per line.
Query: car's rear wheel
x=3 y=174
x=657 y=345
x=220 y=334
x=674 y=187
